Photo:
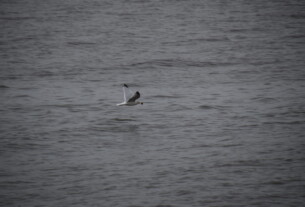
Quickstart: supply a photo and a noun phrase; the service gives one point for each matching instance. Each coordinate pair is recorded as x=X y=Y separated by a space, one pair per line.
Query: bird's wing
x=127 y=92
x=124 y=92
x=134 y=97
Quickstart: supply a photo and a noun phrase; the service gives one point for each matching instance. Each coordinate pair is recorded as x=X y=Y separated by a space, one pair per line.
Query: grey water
x=223 y=120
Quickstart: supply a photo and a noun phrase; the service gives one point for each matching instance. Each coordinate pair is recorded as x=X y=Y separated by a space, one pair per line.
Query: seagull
x=132 y=100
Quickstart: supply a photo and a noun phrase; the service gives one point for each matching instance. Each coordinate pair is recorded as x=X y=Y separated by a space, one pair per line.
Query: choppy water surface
x=223 y=89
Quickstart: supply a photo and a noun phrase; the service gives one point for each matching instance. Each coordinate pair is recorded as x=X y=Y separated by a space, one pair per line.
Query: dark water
x=222 y=83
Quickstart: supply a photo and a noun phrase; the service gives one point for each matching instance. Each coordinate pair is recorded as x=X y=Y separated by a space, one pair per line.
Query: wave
x=264 y=99
x=76 y=43
x=16 y=18
x=179 y=63
x=121 y=119
x=207 y=107
x=297 y=122
x=196 y=41
x=3 y=86
x=165 y=96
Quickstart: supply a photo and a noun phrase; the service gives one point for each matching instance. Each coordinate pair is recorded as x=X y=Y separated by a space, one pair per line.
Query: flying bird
x=130 y=97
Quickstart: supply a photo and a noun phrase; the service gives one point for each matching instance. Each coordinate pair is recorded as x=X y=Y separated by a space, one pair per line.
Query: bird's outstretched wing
x=134 y=97
x=127 y=92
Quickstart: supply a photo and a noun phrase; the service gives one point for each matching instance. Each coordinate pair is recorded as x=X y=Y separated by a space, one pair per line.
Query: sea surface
x=223 y=119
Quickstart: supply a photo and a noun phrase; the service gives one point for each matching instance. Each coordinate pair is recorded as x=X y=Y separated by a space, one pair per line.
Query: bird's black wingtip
x=125 y=85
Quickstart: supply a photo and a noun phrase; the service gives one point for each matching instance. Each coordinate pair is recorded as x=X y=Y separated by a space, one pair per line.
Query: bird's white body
x=129 y=103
